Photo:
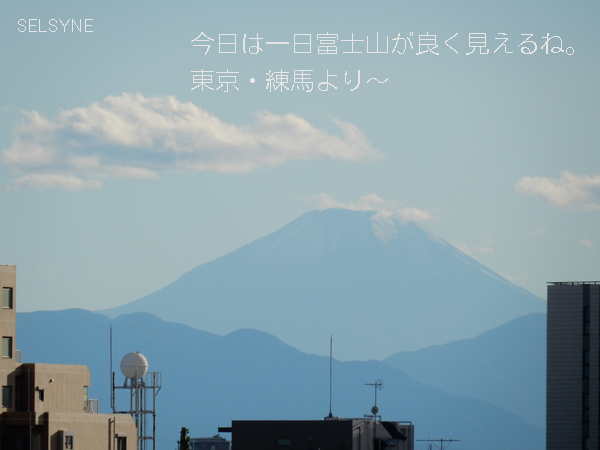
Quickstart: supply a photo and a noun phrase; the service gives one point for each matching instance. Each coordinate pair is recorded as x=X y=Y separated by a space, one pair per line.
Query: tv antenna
x=448 y=442
x=378 y=385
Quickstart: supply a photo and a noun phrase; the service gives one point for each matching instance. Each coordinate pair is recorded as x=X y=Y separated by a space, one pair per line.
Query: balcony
x=90 y=406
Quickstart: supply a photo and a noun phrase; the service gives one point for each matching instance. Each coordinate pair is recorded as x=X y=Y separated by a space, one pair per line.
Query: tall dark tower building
x=573 y=367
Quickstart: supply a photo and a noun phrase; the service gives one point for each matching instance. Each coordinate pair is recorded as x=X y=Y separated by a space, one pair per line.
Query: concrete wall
x=43 y=422
x=91 y=431
x=63 y=387
x=8 y=279
x=362 y=435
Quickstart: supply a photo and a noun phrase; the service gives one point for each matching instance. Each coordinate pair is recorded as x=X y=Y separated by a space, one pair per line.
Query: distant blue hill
x=378 y=287
x=505 y=366
x=210 y=380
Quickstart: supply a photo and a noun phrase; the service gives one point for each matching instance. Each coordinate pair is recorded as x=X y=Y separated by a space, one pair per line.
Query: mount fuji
x=378 y=286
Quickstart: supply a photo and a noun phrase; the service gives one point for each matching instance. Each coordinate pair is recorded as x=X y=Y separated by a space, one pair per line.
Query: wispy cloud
x=570 y=190
x=538 y=232
x=462 y=246
x=587 y=243
x=370 y=202
x=48 y=271
x=132 y=136
x=484 y=247
x=487 y=246
x=45 y=181
x=519 y=279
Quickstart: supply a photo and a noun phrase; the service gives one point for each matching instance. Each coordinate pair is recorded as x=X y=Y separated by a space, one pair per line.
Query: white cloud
x=587 y=243
x=411 y=214
x=370 y=202
x=383 y=222
x=132 y=136
x=578 y=191
x=385 y=213
x=384 y=210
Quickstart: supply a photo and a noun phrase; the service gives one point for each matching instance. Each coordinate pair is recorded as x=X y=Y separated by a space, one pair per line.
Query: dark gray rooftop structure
x=209 y=443
x=330 y=434
x=573 y=366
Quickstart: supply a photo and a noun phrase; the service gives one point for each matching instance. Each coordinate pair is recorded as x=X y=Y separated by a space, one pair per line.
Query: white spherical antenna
x=134 y=364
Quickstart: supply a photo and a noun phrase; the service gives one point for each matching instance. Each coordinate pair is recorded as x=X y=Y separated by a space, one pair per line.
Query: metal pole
x=376 y=401
x=112 y=375
x=153 y=411
x=29 y=404
x=137 y=414
x=330 y=370
x=112 y=393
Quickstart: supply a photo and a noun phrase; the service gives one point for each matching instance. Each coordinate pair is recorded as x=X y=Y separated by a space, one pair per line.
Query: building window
x=122 y=443
x=40 y=394
x=19 y=393
x=66 y=439
x=7 y=297
x=7 y=347
x=586 y=364
x=6 y=396
x=586 y=321
x=86 y=397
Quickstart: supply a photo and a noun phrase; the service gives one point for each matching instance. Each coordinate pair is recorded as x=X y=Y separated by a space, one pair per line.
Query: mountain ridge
x=208 y=380
x=505 y=366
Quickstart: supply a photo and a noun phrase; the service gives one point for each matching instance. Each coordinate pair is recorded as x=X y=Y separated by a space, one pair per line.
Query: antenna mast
x=441 y=441
x=377 y=385
x=330 y=370
x=112 y=376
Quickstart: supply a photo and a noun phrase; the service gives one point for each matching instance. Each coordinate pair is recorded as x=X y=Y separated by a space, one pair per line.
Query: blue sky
x=117 y=176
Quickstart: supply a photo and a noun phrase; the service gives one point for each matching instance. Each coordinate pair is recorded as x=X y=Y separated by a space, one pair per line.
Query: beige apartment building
x=46 y=406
